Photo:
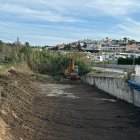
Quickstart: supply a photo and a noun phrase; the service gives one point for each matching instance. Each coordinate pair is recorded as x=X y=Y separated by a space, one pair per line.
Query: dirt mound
x=16 y=105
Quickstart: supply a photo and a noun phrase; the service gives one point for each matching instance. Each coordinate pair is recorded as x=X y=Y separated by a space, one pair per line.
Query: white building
x=93 y=47
x=115 y=48
x=89 y=47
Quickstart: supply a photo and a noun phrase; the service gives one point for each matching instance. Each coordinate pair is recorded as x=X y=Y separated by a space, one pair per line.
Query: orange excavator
x=72 y=71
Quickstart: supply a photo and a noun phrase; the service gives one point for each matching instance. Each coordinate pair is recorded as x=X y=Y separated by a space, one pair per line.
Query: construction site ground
x=62 y=110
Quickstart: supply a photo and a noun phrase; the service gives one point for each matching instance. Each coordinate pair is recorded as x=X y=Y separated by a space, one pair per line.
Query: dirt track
x=81 y=112
x=68 y=112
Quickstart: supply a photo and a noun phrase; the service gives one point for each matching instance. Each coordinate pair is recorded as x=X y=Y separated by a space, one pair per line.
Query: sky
x=51 y=22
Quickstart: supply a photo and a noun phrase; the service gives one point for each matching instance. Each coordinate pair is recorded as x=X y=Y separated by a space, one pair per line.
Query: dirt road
x=81 y=112
x=65 y=111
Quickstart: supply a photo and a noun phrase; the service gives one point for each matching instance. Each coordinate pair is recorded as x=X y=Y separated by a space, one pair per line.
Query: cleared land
x=33 y=110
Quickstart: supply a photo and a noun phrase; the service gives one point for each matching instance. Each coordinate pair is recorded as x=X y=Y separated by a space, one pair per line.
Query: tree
x=67 y=47
x=79 y=47
x=27 y=44
x=56 y=48
x=1 y=46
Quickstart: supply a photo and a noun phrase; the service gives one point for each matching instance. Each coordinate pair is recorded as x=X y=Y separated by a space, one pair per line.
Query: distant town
x=104 y=45
x=96 y=50
x=89 y=45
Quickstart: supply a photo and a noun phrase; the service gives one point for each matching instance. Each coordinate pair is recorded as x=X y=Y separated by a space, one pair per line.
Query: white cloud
x=112 y=7
x=131 y=28
x=25 y=12
x=69 y=7
x=67 y=19
x=107 y=7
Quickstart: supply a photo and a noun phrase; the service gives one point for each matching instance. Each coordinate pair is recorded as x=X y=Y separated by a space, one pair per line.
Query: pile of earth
x=17 y=115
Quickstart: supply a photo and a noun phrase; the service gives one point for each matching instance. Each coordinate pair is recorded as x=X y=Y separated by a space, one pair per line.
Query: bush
x=129 y=61
x=83 y=67
x=55 y=63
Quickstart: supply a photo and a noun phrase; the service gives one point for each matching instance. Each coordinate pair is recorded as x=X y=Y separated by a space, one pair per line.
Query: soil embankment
x=62 y=111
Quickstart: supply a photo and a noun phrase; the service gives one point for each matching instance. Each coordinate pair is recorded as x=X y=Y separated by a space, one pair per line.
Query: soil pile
x=16 y=106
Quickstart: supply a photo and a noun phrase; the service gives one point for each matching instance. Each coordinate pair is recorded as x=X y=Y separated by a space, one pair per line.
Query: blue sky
x=51 y=22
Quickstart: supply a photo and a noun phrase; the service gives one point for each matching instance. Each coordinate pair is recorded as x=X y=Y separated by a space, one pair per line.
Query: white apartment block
x=113 y=48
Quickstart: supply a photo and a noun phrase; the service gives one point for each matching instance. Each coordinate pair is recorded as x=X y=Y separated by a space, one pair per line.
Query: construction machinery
x=71 y=72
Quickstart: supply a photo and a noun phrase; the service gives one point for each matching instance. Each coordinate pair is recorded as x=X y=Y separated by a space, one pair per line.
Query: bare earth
x=68 y=111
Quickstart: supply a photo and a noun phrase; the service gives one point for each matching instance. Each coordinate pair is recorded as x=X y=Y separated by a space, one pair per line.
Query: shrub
x=55 y=63
x=129 y=61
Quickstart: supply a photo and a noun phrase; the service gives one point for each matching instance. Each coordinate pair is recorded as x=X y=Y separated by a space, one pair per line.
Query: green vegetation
x=97 y=70
x=129 y=61
x=42 y=61
x=55 y=63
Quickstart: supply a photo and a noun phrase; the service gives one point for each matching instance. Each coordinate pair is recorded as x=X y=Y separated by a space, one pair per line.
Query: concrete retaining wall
x=114 y=86
x=137 y=70
x=125 y=67
x=137 y=74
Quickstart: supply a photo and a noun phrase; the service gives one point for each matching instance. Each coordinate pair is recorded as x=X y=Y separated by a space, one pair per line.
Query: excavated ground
x=32 y=110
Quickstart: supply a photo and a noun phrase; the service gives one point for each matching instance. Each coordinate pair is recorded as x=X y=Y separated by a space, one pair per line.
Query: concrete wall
x=114 y=86
x=137 y=74
x=137 y=70
x=125 y=67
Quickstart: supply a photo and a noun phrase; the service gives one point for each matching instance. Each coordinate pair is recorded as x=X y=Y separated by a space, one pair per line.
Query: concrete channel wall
x=114 y=86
